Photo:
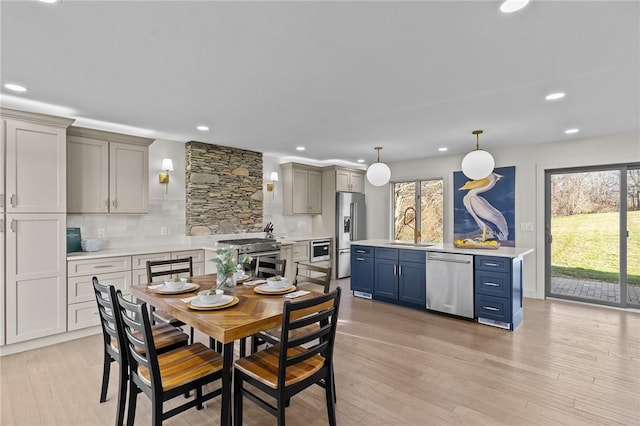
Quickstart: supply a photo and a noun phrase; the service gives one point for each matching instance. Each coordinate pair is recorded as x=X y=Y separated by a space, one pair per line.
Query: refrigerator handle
x=354 y=223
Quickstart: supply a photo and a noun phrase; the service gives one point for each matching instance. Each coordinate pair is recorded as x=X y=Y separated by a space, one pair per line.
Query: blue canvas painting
x=488 y=202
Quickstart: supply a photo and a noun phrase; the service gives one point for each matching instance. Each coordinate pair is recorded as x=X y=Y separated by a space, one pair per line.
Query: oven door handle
x=264 y=253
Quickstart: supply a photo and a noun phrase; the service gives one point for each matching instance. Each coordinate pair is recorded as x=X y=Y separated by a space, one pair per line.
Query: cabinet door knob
x=115 y=203
x=12 y=200
x=14 y=225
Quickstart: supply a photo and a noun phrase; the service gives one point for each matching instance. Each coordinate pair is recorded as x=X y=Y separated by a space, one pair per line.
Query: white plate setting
x=184 y=289
x=223 y=301
x=269 y=288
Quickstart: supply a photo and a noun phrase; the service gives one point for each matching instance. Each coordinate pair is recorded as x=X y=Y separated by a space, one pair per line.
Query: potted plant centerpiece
x=226 y=262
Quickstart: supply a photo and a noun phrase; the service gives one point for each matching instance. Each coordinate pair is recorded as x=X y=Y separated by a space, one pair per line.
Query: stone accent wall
x=224 y=189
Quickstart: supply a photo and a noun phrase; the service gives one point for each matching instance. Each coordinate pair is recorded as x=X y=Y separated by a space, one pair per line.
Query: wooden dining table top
x=253 y=313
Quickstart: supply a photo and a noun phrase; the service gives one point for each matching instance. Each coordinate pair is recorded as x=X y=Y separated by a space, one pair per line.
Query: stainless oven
x=320 y=250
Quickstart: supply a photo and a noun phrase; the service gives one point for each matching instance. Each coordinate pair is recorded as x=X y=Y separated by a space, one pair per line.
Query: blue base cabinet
x=362 y=269
x=498 y=291
x=400 y=276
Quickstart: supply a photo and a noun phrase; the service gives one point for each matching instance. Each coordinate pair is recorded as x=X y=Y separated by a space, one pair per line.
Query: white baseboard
x=49 y=340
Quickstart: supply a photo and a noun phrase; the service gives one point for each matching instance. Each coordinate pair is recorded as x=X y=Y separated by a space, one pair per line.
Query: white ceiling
x=336 y=77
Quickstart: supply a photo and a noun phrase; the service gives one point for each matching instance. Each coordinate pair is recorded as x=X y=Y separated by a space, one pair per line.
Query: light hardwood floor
x=566 y=364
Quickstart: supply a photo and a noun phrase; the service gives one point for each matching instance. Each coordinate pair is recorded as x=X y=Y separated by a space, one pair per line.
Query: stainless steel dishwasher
x=450 y=283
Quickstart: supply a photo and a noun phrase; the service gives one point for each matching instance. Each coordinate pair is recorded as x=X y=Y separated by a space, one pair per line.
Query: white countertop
x=448 y=248
x=162 y=248
x=131 y=251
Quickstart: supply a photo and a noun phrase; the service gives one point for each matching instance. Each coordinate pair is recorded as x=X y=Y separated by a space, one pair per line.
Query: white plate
x=225 y=299
x=269 y=287
x=184 y=289
x=242 y=277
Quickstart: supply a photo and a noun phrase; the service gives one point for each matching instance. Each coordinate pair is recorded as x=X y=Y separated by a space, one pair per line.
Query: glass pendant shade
x=378 y=174
x=478 y=164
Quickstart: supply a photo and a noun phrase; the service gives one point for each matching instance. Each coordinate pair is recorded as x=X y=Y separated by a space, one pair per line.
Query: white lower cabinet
x=36 y=287
x=82 y=310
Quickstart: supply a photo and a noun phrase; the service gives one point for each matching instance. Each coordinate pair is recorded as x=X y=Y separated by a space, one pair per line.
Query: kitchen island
x=400 y=272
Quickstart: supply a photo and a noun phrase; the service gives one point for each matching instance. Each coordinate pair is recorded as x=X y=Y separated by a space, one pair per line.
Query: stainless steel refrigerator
x=350 y=226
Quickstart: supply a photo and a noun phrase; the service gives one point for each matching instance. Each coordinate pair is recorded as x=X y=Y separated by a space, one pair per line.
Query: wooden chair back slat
x=267 y=268
x=306 y=273
x=186 y=264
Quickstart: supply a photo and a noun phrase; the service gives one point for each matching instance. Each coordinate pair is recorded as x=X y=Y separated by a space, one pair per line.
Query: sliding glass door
x=593 y=234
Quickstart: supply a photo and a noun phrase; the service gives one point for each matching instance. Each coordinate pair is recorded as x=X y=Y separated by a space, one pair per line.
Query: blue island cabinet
x=400 y=276
x=362 y=270
x=498 y=291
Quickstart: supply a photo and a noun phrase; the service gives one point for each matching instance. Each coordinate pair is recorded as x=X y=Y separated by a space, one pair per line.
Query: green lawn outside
x=587 y=246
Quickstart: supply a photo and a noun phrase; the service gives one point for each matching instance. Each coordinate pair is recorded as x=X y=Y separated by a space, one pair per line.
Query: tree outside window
x=424 y=208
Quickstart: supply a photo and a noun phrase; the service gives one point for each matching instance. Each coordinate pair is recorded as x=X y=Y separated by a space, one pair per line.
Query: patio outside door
x=593 y=235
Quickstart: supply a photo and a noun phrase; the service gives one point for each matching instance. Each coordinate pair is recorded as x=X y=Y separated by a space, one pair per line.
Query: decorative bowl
x=210 y=299
x=278 y=282
x=175 y=285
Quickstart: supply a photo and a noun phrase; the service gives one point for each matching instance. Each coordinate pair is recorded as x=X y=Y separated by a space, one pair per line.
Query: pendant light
x=477 y=164
x=378 y=174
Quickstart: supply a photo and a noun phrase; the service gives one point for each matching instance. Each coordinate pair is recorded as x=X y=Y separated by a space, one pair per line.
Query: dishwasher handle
x=442 y=259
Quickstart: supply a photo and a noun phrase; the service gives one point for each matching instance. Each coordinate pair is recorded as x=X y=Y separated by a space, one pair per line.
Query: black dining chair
x=165 y=337
x=165 y=376
x=305 y=274
x=287 y=368
x=158 y=268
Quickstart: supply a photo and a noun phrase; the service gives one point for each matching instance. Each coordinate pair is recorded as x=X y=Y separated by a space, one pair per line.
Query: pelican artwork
x=485 y=215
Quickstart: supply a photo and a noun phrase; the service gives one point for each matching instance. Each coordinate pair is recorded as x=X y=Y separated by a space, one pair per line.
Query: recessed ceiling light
x=509 y=6
x=443 y=149
x=360 y=160
x=203 y=128
x=15 y=87
x=554 y=96
x=300 y=148
x=571 y=131
x=49 y=1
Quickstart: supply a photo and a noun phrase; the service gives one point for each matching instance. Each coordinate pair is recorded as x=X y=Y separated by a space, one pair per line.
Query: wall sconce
x=271 y=185
x=167 y=165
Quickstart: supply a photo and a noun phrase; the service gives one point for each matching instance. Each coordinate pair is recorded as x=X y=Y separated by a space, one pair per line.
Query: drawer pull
x=492 y=284
x=361 y=259
x=491 y=264
x=103 y=266
x=95 y=313
x=490 y=308
x=361 y=251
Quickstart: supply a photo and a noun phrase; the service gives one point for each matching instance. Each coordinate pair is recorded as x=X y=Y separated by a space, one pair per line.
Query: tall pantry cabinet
x=34 y=199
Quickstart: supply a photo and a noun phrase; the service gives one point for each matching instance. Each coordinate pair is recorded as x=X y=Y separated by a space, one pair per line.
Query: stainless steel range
x=257 y=248
x=254 y=246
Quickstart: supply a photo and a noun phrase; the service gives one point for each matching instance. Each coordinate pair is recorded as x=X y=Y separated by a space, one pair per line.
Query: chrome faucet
x=416 y=233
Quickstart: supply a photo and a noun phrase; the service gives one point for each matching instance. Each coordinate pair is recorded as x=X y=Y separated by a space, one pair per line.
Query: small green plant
x=175 y=280
x=277 y=278
x=226 y=261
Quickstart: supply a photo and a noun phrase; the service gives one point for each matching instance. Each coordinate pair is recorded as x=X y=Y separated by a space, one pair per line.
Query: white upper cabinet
x=302 y=189
x=88 y=175
x=36 y=160
x=107 y=173
x=128 y=178
x=349 y=180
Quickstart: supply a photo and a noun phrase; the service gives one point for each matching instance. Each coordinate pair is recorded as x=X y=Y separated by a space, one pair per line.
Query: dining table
x=253 y=312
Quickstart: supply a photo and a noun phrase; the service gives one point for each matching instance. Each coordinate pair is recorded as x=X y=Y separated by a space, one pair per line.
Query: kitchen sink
x=408 y=244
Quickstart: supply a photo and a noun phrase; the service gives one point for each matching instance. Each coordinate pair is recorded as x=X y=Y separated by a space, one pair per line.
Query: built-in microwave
x=320 y=250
